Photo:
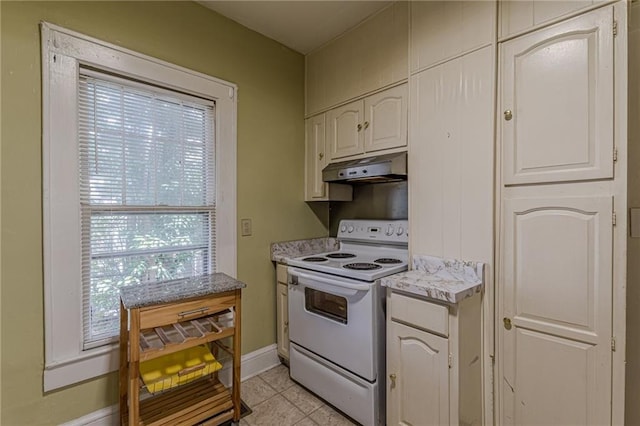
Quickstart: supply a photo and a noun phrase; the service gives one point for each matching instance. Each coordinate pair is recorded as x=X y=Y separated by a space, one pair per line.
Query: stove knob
x=343 y=228
x=400 y=231
x=350 y=229
x=390 y=231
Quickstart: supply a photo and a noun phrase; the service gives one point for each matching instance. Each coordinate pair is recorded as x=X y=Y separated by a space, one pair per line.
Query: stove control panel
x=387 y=231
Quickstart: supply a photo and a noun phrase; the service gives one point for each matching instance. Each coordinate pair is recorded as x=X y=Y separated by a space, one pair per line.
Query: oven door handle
x=332 y=282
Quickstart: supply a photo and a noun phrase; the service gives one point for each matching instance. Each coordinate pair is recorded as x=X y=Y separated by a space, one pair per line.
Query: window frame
x=63 y=51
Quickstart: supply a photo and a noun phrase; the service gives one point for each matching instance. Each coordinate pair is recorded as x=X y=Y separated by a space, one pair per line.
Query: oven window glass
x=325 y=304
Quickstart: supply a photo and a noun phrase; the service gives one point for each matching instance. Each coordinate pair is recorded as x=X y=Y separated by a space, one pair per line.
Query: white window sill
x=90 y=364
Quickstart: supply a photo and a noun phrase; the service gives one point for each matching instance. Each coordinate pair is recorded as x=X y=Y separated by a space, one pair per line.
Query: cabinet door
x=557 y=102
x=520 y=15
x=344 y=130
x=418 y=377
x=441 y=30
x=385 y=123
x=556 y=307
x=282 y=313
x=315 y=158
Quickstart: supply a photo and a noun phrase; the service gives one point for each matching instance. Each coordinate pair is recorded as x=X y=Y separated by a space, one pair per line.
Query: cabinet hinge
x=615 y=28
x=613 y=344
x=614 y=218
x=615 y=155
x=450 y=360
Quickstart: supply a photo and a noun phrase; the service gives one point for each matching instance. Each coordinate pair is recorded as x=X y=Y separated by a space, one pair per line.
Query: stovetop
x=369 y=250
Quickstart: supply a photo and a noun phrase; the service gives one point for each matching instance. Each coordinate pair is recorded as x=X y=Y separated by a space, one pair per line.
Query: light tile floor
x=276 y=400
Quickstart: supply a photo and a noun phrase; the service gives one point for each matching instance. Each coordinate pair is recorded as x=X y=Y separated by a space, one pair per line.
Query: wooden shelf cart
x=158 y=319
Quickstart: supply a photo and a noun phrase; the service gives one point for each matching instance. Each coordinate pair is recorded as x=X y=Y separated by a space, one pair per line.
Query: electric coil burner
x=337 y=317
x=362 y=266
x=387 y=261
x=340 y=255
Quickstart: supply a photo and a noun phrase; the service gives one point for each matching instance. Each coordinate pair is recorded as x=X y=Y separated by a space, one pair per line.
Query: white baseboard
x=252 y=364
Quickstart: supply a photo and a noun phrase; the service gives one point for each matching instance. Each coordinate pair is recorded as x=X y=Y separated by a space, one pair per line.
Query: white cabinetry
x=451 y=158
x=365 y=59
x=556 y=308
x=433 y=361
x=442 y=30
x=557 y=102
x=282 y=312
x=518 y=16
x=316 y=160
x=560 y=282
x=377 y=122
x=418 y=363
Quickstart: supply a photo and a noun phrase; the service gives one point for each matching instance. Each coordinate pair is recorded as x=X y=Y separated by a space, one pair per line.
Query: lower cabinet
x=433 y=361
x=418 y=365
x=282 y=312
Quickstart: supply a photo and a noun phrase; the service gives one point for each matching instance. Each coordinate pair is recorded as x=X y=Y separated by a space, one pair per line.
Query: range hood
x=377 y=169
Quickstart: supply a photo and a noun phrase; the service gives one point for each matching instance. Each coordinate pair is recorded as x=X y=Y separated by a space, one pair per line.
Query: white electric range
x=337 y=316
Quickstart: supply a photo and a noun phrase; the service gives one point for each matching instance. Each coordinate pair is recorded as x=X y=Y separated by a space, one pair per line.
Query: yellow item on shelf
x=178 y=368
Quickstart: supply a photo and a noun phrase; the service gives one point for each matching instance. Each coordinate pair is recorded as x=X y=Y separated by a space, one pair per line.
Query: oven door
x=335 y=318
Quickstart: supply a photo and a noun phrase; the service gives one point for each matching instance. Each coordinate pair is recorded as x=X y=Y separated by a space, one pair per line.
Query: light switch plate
x=634 y=222
x=246 y=227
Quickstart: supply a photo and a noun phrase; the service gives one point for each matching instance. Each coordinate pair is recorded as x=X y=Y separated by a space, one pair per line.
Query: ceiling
x=302 y=25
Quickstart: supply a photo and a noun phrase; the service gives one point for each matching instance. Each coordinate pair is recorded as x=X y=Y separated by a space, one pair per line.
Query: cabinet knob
x=359 y=127
x=366 y=124
x=508 y=115
x=507 y=323
x=320 y=156
x=392 y=377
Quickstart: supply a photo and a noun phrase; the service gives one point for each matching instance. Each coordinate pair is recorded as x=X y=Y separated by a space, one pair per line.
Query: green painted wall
x=270 y=171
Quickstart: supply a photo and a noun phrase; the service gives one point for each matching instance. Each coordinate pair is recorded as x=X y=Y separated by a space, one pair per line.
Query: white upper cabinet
x=377 y=122
x=316 y=159
x=344 y=129
x=521 y=15
x=315 y=155
x=385 y=123
x=557 y=102
x=441 y=30
x=365 y=59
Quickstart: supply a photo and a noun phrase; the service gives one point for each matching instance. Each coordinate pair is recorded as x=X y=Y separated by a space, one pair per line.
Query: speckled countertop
x=282 y=251
x=447 y=280
x=160 y=292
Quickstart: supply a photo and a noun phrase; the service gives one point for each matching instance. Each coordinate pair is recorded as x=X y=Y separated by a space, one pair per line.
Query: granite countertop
x=447 y=280
x=282 y=251
x=160 y=292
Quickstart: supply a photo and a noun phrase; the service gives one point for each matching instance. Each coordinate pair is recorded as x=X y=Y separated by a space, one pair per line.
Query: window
x=139 y=185
x=146 y=192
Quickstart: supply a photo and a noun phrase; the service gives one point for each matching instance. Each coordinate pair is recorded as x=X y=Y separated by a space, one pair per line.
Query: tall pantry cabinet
x=451 y=163
x=562 y=222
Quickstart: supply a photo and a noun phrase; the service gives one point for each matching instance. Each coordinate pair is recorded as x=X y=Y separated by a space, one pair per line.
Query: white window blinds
x=147 y=192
